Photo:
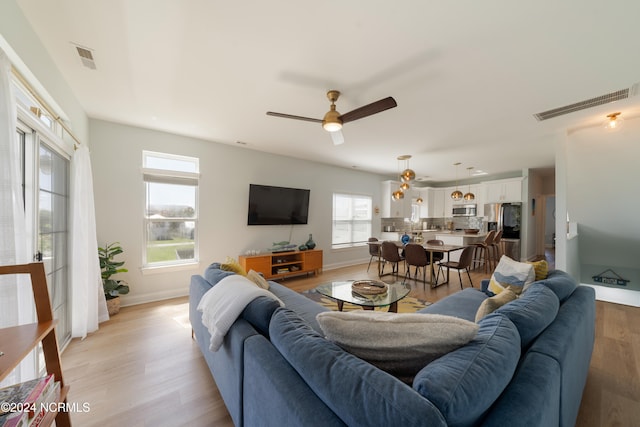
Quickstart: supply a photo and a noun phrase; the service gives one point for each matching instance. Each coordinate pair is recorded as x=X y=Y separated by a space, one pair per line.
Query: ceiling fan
x=333 y=120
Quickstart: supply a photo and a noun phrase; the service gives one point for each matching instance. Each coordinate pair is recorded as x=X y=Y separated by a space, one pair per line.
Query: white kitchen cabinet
x=478 y=191
x=394 y=208
x=423 y=193
x=439 y=201
x=504 y=190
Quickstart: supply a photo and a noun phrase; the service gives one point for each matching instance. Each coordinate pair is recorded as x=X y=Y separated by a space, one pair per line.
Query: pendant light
x=469 y=195
x=399 y=193
x=407 y=174
x=613 y=122
x=457 y=194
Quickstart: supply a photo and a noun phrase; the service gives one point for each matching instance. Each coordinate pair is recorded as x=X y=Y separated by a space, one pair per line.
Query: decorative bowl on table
x=369 y=287
x=471 y=231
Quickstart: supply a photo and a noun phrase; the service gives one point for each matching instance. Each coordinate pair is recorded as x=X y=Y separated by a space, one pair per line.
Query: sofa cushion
x=398 y=343
x=561 y=283
x=493 y=303
x=510 y=272
x=463 y=304
x=532 y=312
x=258 y=313
x=303 y=306
x=464 y=383
x=214 y=274
x=358 y=392
x=224 y=303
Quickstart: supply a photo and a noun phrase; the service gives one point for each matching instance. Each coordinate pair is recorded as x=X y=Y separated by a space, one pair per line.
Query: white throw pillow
x=257 y=278
x=509 y=272
x=399 y=343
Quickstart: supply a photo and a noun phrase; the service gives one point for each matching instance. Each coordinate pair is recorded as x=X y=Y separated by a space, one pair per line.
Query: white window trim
x=343 y=246
x=168 y=176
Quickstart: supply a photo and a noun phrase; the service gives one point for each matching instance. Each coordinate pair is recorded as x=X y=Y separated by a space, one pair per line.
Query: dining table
x=431 y=249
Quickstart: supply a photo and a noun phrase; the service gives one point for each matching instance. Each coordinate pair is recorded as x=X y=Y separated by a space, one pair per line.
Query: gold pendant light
x=469 y=195
x=457 y=194
x=407 y=174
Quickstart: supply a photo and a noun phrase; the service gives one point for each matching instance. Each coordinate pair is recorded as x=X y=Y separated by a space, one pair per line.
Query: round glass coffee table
x=342 y=292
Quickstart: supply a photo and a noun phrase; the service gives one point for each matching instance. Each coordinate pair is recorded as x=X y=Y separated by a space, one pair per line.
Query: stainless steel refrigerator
x=508 y=218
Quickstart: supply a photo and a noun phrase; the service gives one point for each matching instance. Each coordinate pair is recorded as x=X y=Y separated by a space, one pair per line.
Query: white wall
x=226 y=172
x=603 y=179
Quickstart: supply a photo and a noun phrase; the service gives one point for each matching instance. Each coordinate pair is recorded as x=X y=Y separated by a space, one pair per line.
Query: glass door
x=53 y=232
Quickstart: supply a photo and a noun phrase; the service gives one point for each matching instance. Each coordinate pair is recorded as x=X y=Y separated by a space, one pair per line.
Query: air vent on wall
x=86 y=57
x=593 y=102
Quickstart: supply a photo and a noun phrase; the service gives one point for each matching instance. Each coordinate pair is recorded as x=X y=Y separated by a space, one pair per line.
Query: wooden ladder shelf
x=18 y=341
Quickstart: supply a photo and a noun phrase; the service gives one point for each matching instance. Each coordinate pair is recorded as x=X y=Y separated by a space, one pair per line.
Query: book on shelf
x=44 y=406
x=41 y=389
x=21 y=401
x=16 y=419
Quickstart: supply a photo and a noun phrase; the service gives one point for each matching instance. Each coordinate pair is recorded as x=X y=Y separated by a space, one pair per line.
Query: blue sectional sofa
x=527 y=366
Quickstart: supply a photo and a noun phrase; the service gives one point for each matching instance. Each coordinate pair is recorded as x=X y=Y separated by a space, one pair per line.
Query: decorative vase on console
x=310 y=243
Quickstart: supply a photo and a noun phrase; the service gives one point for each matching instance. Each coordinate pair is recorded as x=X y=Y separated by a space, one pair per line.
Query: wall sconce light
x=613 y=122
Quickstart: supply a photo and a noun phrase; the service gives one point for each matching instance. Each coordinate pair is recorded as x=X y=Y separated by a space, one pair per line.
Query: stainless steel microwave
x=465 y=210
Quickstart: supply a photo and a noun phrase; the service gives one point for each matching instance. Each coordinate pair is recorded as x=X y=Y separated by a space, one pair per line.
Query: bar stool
x=481 y=252
x=496 y=248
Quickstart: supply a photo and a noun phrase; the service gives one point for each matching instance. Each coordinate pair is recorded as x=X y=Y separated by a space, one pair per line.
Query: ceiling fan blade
x=369 y=109
x=337 y=137
x=291 y=116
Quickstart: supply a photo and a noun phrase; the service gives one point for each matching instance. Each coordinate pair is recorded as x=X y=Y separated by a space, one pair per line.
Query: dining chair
x=464 y=263
x=437 y=256
x=374 y=251
x=390 y=255
x=415 y=255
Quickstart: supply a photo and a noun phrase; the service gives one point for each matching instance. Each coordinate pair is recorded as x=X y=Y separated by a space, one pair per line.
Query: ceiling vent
x=86 y=57
x=593 y=102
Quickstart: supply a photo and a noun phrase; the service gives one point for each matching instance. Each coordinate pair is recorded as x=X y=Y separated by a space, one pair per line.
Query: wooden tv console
x=283 y=264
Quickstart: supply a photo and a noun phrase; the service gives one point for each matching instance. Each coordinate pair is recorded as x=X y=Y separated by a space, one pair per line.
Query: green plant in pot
x=113 y=288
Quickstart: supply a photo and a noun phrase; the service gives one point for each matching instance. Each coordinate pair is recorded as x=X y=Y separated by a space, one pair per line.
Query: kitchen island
x=459 y=238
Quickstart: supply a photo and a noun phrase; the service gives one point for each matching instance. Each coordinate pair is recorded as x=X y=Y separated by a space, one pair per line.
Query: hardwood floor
x=143 y=369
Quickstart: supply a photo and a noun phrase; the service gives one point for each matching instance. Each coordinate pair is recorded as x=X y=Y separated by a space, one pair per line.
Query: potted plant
x=113 y=288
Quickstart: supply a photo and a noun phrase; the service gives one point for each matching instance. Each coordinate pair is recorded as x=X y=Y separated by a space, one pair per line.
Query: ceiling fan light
x=331 y=121
x=613 y=122
x=456 y=195
x=331 y=126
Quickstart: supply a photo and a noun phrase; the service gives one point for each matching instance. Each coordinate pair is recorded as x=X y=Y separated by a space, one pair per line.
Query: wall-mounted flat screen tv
x=270 y=205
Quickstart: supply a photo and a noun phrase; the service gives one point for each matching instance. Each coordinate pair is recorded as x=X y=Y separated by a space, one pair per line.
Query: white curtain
x=16 y=297
x=87 y=297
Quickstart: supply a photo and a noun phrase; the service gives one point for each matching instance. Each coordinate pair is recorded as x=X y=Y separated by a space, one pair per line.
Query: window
x=351 y=220
x=171 y=209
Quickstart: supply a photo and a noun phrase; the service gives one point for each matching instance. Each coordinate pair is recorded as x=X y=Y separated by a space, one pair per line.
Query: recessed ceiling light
x=242 y=143
x=479 y=172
